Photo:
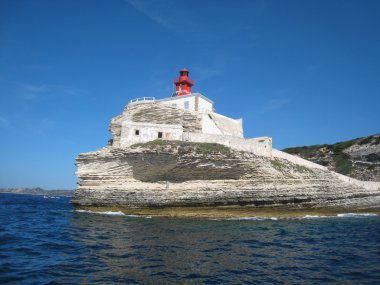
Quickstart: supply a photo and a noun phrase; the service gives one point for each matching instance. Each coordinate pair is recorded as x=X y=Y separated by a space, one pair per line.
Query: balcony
x=142 y=100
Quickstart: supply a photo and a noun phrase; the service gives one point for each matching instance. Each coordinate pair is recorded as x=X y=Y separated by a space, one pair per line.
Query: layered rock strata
x=358 y=158
x=179 y=174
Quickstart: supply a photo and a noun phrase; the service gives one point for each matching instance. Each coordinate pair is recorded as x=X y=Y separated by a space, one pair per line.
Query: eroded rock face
x=183 y=174
x=358 y=158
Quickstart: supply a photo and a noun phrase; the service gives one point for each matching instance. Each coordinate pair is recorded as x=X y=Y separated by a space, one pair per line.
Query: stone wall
x=228 y=126
x=148 y=116
x=296 y=159
x=192 y=102
x=151 y=115
x=259 y=146
x=213 y=123
x=132 y=132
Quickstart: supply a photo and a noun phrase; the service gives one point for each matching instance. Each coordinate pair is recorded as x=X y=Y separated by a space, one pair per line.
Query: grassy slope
x=343 y=163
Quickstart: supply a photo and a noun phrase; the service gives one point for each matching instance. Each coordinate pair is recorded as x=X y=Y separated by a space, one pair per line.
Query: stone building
x=185 y=116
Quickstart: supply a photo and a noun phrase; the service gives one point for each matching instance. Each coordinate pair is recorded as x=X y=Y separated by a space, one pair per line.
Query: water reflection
x=164 y=251
x=46 y=242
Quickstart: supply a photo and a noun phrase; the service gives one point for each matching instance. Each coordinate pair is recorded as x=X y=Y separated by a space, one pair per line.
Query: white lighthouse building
x=185 y=116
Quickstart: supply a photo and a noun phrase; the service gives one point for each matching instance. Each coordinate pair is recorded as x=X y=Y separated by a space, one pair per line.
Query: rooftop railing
x=142 y=99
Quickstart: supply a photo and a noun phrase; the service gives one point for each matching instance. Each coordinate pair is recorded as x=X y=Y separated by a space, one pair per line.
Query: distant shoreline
x=37 y=191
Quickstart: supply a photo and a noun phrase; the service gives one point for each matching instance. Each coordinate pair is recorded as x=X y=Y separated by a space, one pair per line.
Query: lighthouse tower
x=184 y=116
x=183 y=84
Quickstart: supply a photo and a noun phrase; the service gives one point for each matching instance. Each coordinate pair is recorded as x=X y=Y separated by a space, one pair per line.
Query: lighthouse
x=183 y=84
x=184 y=116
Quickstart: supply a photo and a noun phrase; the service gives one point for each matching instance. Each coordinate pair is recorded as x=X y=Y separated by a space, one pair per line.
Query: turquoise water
x=44 y=241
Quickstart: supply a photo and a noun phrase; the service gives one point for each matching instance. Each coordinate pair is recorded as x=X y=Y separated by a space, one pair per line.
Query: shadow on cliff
x=154 y=167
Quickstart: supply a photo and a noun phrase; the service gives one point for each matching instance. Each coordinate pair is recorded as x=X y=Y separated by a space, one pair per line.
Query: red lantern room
x=183 y=84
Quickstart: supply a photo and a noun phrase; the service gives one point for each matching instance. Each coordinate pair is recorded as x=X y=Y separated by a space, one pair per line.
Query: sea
x=44 y=240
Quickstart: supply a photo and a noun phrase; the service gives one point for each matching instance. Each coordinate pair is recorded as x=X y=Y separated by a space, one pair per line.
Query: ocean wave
x=306 y=217
x=51 y=197
x=343 y=215
x=315 y=217
x=353 y=215
x=247 y=219
x=112 y=213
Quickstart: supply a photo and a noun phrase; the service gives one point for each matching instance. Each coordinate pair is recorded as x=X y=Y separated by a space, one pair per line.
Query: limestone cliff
x=358 y=158
x=173 y=174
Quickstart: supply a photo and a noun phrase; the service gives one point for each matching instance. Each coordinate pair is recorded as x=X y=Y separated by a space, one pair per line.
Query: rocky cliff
x=358 y=158
x=178 y=174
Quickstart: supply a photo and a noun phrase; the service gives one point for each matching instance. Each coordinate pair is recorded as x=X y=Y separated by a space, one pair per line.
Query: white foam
x=315 y=217
x=139 y=216
x=51 y=197
x=248 y=219
x=344 y=215
x=110 y=213
x=307 y=217
x=352 y=215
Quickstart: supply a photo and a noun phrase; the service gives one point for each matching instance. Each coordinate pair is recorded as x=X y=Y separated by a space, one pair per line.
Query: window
x=137 y=132
x=186 y=104
x=160 y=135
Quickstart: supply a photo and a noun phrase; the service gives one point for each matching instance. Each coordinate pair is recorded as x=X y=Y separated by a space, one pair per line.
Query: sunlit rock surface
x=179 y=174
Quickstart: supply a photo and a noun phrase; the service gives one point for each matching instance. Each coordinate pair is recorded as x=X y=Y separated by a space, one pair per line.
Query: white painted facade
x=296 y=159
x=259 y=146
x=214 y=123
x=192 y=102
x=132 y=132
x=216 y=128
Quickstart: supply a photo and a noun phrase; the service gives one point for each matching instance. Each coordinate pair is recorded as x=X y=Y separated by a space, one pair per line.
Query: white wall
x=204 y=106
x=148 y=132
x=213 y=123
x=228 y=126
x=261 y=147
x=208 y=125
x=179 y=102
x=296 y=159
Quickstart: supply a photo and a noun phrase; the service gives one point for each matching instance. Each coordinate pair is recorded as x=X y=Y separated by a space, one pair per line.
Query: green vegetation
x=207 y=148
x=204 y=148
x=366 y=140
x=152 y=144
x=305 y=151
x=325 y=153
x=340 y=146
x=343 y=163
x=301 y=168
x=277 y=164
x=280 y=166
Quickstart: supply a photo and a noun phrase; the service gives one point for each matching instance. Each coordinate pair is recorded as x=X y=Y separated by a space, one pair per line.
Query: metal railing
x=142 y=99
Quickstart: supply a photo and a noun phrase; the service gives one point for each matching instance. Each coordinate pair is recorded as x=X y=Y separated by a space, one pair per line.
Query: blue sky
x=302 y=72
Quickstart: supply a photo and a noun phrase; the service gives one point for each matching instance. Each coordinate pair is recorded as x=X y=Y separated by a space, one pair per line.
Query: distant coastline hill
x=358 y=158
x=37 y=191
